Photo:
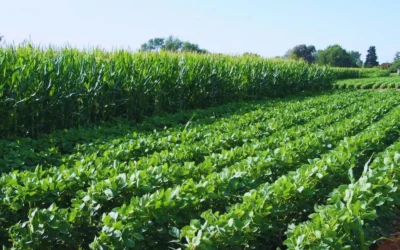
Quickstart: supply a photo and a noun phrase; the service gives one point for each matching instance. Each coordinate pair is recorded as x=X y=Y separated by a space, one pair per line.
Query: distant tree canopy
x=356 y=57
x=372 y=59
x=153 y=44
x=396 y=62
x=302 y=51
x=335 y=56
x=171 y=43
x=395 y=66
x=251 y=54
x=396 y=56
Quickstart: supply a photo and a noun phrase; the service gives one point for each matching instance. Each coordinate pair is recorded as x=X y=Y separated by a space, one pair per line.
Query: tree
x=191 y=47
x=249 y=54
x=396 y=56
x=356 y=57
x=154 y=44
x=302 y=51
x=170 y=43
x=335 y=56
x=187 y=46
x=395 y=66
x=372 y=59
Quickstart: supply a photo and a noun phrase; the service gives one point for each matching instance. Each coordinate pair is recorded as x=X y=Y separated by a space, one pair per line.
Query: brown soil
x=393 y=243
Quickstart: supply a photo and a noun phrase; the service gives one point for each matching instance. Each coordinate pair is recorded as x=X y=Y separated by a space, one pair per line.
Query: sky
x=268 y=28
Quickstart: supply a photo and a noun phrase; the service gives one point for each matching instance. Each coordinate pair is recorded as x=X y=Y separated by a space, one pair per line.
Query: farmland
x=370 y=83
x=114 y=150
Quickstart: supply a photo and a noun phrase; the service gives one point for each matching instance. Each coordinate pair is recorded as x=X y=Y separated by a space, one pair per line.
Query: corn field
x=46 y=89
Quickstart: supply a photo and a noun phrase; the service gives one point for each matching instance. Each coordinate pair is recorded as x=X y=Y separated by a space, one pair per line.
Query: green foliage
x=154 y=44
x=371 y=73
x=176 y=148
x=395 y=66
x=356 y=214
x=372 y=59
x=356 y=57
x=251 y=54
x=396 y=56
x=228 y=177
x=191 y=47
x=335 y=56
x=348 y=73
x=171 y=43
x=49 y=150
x=232 y=176
x=265 y=211
x=42 y=90
x=368 y=83
x=302 y=51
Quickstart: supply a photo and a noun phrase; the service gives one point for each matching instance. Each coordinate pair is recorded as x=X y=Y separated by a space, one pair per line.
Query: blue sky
x=268 y=28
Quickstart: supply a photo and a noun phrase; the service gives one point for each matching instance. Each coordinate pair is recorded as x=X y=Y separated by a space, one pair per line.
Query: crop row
x=190 y=197
x=127 y=148
x=357 y=214
x=353 y=73
x=265 y=212
x=23 y=190
x=370 y=83
x=217 y=190
x=195 y=142
x=26 y=153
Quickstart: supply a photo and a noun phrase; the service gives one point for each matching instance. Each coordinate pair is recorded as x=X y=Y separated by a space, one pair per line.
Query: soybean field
x=308 y=171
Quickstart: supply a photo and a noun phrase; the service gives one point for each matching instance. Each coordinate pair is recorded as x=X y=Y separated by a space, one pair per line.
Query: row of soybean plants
x=371 y=83
x=43 y=89
x=357 y=214
x=263 y=215
x=169 y=209
x=208 y=137
x=49 y=149
x=62 y=148
x=25 y=190
x=161 y=199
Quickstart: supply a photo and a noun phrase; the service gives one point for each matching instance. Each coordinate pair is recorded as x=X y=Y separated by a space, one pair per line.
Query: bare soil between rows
x=392 y=243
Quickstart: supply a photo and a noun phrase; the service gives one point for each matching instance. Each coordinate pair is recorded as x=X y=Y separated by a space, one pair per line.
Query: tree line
x=333 y=55
x=171 y=43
